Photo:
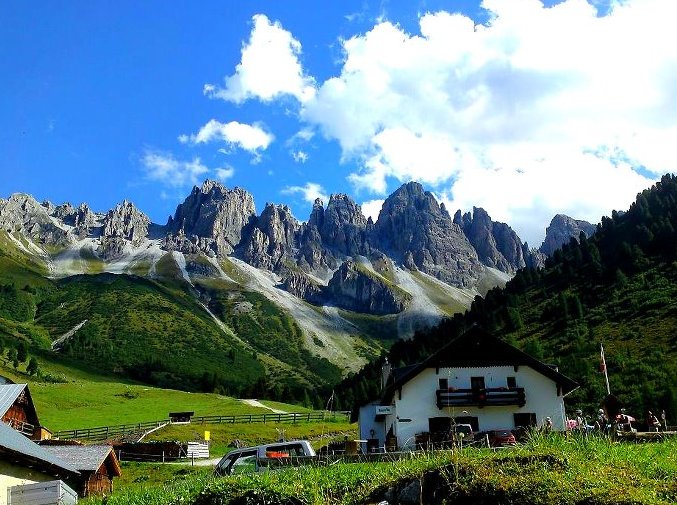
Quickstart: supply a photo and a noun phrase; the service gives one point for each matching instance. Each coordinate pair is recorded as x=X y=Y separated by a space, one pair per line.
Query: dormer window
x=444 y=384
x=512 y=382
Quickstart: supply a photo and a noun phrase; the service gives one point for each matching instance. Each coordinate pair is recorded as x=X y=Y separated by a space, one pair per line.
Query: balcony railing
x=487 y=397
x=22 y=427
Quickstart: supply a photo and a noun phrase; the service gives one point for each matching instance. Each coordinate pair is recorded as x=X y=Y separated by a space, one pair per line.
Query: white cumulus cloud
x=310 y=191
x=269 y=67
x=165 y=168
x=251 y=138
x=372 y=208
x=224 y=173
x=541 y=110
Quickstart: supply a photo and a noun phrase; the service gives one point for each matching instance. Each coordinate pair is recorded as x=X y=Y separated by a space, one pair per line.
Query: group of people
x=622 y=422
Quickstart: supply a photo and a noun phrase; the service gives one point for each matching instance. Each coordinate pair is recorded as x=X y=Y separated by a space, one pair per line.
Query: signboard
x=207 y=435
x=384 y=410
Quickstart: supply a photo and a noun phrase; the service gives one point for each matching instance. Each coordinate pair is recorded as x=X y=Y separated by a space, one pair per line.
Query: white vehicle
x=260 y=457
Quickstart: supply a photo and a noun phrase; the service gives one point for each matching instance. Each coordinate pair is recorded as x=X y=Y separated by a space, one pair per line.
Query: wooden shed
x=180 y=417
x=18 y=411
x=98 y=466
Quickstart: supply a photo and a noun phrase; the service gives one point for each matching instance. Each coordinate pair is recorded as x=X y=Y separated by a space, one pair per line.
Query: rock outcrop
x=121 y=225
x=561 y=230
x=343 y=227
x=497 y=244
x=22 y=213
x=273 y=240
x=211 y=212
x=302 y=286
x=415 y=230
x=81 y=218
x=354 y=288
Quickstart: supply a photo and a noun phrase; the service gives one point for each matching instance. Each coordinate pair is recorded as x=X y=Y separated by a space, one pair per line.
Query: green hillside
x=618 y=288
x=158 y=331
x=69 y=394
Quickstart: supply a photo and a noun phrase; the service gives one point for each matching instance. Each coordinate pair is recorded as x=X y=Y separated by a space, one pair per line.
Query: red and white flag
x=602 y=364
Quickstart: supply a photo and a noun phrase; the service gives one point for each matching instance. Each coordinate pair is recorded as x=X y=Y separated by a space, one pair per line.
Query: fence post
x=163 y=456
x=120 y=455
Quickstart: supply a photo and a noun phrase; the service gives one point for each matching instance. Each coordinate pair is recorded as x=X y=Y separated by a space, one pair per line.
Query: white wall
x=419 y=401
x=15 y=475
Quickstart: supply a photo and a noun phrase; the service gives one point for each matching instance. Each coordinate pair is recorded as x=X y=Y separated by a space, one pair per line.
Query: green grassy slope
x=68 y=395
x=147 y=331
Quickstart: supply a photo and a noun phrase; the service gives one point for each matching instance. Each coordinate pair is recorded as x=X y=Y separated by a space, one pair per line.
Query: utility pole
x=602 y=367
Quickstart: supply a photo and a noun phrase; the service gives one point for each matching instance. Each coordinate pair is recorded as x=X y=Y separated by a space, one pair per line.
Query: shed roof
x=13 y=442
x=8 y=395
x=86 y=458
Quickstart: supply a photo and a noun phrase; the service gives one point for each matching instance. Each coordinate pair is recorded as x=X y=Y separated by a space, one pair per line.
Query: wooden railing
x=109 y=432
x=22 y=427
x=485 y=397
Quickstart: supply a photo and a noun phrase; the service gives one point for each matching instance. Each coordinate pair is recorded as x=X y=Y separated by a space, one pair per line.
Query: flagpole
x=606 y=376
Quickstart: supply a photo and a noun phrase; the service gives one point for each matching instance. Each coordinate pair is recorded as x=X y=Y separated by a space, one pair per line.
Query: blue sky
x=522 y=108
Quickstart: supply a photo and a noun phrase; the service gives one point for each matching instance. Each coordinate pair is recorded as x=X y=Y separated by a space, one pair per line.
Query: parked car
x=261 y=457
x=462 y=432
x=500 y=438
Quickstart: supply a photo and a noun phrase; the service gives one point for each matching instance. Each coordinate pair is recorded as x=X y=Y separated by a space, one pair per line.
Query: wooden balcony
x=22 y=427
x=487 y=397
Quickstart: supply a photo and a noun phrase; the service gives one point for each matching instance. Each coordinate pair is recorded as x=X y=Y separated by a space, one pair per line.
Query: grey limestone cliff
x=355 y=288
x=121 y=225
x=418 y=232
x=22 y=213
x=273 y=239
x=563 y=228
x=212 y=218
x=497 y=244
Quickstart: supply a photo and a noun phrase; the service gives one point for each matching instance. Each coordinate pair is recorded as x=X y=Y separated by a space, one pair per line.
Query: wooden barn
x=23 y=462
x=18 y=411
x=97 y=466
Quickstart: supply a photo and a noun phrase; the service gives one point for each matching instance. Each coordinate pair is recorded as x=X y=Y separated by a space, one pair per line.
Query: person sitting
x=602 y=423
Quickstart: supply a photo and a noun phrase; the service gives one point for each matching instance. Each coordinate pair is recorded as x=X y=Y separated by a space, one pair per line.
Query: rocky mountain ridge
x=313 y=259
x=562 y=229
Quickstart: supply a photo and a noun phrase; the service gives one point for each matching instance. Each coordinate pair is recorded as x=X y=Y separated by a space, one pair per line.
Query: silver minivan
x=261 y=457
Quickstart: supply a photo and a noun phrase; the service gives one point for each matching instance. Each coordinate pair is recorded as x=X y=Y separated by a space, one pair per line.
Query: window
x=477 y=382
x=525 y=419
x=439 y=424
x=444 y=384
x=512 y=382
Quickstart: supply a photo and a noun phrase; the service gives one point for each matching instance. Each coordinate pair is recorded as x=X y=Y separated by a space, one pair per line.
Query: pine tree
x=22 y=352
x=32 y=367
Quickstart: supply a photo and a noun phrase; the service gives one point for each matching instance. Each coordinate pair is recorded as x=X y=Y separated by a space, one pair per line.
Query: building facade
x=476 y=379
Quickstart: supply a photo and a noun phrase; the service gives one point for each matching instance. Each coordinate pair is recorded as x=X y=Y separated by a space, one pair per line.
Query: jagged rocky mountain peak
x=413 y=230
x=22 y=213
x=563 y=228
x=126 y=221
x=216 y=215
x=317 y=214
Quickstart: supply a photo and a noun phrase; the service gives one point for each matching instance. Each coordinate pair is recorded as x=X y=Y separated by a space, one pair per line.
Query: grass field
x=222 y=435
x=86 y=399
x=547 y=470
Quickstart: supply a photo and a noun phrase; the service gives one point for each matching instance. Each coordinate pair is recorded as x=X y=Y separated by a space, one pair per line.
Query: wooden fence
x=110 y=432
